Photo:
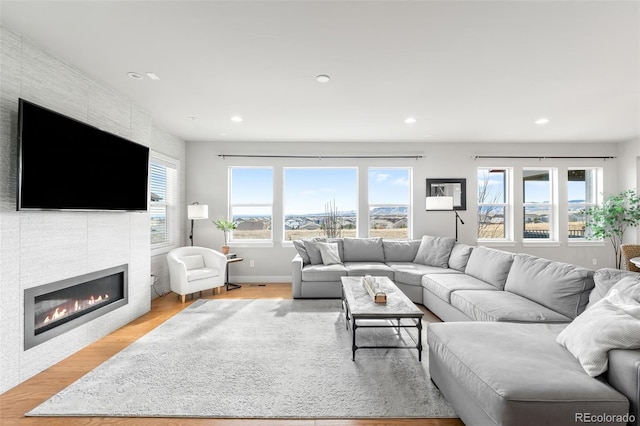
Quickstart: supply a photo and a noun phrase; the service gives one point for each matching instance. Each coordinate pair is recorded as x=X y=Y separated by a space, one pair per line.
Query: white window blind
x=163 y=193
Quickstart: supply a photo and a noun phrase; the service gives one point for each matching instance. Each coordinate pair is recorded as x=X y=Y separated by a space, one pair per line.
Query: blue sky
x=536 y=191
x=307 y=190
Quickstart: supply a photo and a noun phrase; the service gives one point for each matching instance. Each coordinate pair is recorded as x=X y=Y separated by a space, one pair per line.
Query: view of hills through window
x=315 y=199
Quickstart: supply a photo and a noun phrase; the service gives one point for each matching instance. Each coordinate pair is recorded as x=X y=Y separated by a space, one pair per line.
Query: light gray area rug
x=255 y=359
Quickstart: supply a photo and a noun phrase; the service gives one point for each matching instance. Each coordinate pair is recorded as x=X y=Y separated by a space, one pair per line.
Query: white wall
x=629 y=154
x=207 y=184
x=42 y=247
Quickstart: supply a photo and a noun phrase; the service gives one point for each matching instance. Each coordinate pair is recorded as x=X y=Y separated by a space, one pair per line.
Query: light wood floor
x=19 y=400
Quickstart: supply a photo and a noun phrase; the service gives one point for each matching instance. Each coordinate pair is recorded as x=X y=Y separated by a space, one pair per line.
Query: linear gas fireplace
x=55 y=308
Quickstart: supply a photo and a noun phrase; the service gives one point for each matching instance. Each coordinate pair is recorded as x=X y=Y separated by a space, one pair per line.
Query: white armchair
x=193 y=269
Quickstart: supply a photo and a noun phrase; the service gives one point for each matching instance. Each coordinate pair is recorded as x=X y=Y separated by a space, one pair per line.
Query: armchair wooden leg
x=184 y=296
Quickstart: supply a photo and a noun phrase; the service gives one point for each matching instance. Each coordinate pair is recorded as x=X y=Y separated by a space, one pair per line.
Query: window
x=251 y=202
x=494 y=203
x=582 y=191
x=389 y=202
x=537 y=203
x=163 y=192
x=318 y=200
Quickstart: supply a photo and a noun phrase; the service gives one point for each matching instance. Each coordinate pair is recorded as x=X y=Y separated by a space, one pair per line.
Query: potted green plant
x=225 y=226
x=612 y=218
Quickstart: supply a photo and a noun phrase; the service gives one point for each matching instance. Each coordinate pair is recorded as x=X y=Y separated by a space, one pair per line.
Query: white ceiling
x=466 y=70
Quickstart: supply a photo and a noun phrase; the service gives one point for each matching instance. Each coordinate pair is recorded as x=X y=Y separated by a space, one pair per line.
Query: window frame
x=172 y=199
x=507 y=205
x=239 y=242
x=409 y=205
x=552 y=205
x=597 y=200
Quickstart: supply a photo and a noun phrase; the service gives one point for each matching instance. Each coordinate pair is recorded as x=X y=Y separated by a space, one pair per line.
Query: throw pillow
x=302 y=251
x=604 y=279
x=329 y=253
x=629 y=287
x=311 y=245
x=435 y=251
x=611 y=323
x=460 y=256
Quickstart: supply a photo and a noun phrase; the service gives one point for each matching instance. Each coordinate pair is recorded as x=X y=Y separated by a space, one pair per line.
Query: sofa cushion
x=606 y=278
x=442 y=285
x=363 y=250
x=412 y=273
x=559 y=286
x=313 y=250
x=460 y=256
x=611 y=323
x=434 y=251
x=302 y=251
x=545 y=386
x=490 y=305
x=489 y=265
x=323 y=272
x=400 y=251
x=329 y=253
x=194 y=261
x=376 y=269
x=202 y=273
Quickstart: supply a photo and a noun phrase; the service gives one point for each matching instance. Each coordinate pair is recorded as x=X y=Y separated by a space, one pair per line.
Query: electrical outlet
x=594 y=261
x=252 y=263
x=153 y=280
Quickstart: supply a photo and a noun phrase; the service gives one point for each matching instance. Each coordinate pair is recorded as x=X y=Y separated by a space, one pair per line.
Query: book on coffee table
x=377 y=294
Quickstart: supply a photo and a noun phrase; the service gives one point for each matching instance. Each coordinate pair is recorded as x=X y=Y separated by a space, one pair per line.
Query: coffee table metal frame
x=399 y=312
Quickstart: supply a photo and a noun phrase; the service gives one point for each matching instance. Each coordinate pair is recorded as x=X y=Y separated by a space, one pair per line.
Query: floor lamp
x=196 y=211
x=443 y=204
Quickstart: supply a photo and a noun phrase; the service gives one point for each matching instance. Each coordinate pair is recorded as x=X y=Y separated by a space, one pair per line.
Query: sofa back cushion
x=363 y=250
x=434 y=251
x=490 y=265
x=460 y=256
x=559 y=286
x=400 y=251
x=194 y=261
x=606 y=278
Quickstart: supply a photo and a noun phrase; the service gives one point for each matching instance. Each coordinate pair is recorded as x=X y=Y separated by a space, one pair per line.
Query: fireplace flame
x=74 y=306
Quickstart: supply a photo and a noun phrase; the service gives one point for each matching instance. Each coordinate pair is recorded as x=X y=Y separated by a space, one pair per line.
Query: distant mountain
x=386 y=211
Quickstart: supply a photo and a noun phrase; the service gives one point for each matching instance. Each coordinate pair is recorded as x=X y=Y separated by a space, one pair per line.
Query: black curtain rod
x=542 y=157
x=319 y=157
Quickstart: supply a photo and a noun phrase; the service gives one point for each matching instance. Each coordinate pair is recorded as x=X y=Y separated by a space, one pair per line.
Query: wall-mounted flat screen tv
x=64 y=164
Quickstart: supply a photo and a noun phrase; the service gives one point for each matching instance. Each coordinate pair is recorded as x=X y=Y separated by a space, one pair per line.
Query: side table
x=231 y=286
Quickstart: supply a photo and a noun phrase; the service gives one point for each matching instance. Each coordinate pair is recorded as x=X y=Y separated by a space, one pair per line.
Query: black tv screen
x=64 y=164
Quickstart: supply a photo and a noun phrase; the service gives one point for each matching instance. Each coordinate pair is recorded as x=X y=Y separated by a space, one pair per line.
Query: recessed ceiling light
x=192 y=118
x=134 y=75
x=410 y=120
x=236 y=119
x=152 y=76
x=542 y=121
x=323 y=78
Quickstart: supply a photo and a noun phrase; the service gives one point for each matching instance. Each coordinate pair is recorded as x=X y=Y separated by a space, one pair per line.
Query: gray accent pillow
x=311 y=245
x=363 y=250
x=489 y=265
x=460 y=256
x=559 y=286
x=434 y=251
x=329 y=253
x=400 y=251
x=606 y=278
x=302 y=251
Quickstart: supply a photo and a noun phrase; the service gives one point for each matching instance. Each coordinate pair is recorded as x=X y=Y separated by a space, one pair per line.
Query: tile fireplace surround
x=41 y=247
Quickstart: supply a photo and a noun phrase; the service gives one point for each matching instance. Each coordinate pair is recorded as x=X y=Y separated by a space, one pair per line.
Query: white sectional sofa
x=503 y=356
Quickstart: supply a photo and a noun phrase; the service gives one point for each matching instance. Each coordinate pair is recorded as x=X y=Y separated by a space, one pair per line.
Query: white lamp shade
x=439 y=203
x=198 y=211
